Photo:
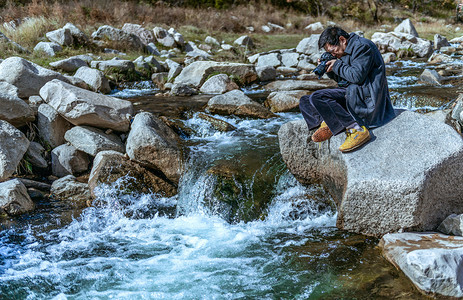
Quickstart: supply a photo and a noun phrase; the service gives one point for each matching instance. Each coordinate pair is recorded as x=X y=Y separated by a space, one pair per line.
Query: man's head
x=334 y=40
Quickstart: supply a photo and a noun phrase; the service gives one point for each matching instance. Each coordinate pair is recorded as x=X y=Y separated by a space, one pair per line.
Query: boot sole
x=357 y=146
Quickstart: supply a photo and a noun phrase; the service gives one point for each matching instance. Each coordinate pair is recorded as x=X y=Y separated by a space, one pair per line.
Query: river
x=193 y=246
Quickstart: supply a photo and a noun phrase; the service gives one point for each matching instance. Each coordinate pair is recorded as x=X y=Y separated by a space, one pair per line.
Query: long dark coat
x=367 y=95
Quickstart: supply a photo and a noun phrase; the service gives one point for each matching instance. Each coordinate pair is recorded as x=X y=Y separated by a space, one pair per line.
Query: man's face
x=338 y=50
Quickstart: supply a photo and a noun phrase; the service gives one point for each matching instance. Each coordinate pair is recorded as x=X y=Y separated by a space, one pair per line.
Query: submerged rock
x=14 y=199
x=13 y=146
x=406 y=178
x=82 y=107
x=218 y=124
x=154 y=144
x=432 y=261
x=110 y=166
x=237 y=103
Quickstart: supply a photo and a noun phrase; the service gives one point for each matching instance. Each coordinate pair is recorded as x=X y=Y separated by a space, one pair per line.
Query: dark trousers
x=327 y=105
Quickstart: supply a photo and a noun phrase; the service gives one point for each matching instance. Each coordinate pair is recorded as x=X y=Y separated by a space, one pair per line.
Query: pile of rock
x=82 y=130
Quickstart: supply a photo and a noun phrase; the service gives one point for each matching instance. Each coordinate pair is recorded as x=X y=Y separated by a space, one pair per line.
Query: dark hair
x=331 y=36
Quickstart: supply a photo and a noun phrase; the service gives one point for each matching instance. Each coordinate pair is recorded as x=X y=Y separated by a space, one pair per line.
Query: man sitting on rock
x=360 y=103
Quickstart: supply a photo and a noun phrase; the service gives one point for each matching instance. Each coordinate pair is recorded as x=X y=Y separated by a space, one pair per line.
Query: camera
x=321 y=68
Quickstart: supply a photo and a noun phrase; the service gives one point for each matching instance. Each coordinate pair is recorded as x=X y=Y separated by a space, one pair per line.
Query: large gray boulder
x=82 y=107
x=196 y=73
x=111 y=166
x=49 y=48
x=145 y=35
x=290 y=59
x=79 y=38
x=237 y=103
x=92 y=140
x=406 y=27
x=218 y=84
x=67 y=160
x=164 y=37
x=396 y=42
x=284 y=101
x=14 y=199
x=8 y=88
x=14 y=110
x=271 y=60
x=114 y=35
x=26 y=76
x=291 y=85
x=155 y=145
x=95 y=79
x=309 y=47
x=452 y=225
x=60 y=36
x=432 y=261
x=69 y=64
x=69 y=189
x=51 y=125
x=407 y=178
x=13 y=145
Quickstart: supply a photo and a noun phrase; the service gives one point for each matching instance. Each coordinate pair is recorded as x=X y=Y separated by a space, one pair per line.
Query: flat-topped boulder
x=196 y=73
x=92 y=140
x=291 y=85
x=26 y=76
x=407 y=177
x=284 y=101
x=432 y=261
x=237 y=103
x=83 y=107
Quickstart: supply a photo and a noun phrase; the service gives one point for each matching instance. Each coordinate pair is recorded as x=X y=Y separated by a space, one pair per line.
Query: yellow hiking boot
x=322 y=134
x=355 y=139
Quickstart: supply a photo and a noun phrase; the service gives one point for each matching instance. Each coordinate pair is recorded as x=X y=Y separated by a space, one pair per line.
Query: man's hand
x=329 y=65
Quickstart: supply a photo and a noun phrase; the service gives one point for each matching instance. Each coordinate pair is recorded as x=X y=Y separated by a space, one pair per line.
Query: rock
x=275 y=26
x=195 y=52
x=290 y=59
x=91 y=140
x=287 y=71
x=218 y=84
x=448 y=50
x=13 y=145
x=77 y=82
x=49 y=48
x=289 y=85
x=266 y=73
x=218 y=124
x=79 y=38
x=155 y=145
x=244 y=41
x=266 y=28
x=123 y=39
x=160 y=79
x=60 y=36
x=67 y=160
x=271 y=60
x=304 y=63
x=389 y=57
x=432 y=261
x=212 y=41
x=227 y=47
x=309 y=46
x=253 y=59
x=15 y=111
x=119 y=65
x=457 y=40
x=284 y=101
x=110 y=166
x=145 y=35
x=183 y=90
x=51 y=125
x=376 y=194
x=406 y=27
x=14 y=199
x=95 y=79
x=34 y=103
x=155 y=65
x=431 y=76
x=178 y=38
x=452 y=225
x=11 y=44
x=151 y=48
x=237 y=103
x=440 y=41
x=438 y=58
x=196 y=73
x=397 y=42
x=314 y=27
x=26 y=76
x=164 y=37
x=35 y=154
x=69 y=64
x=82 y=107
x=9 y=89
x=69 y=189
x=174 y=69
